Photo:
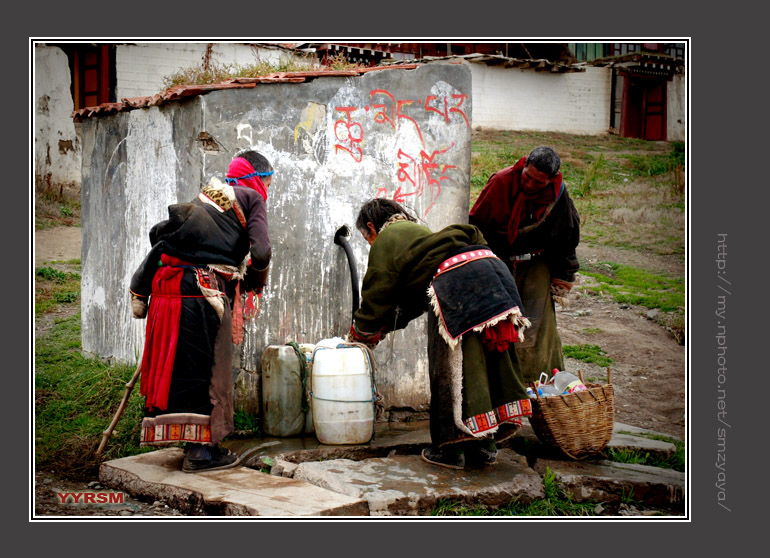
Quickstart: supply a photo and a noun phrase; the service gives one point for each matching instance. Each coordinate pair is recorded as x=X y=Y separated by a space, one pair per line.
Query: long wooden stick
x=129 y=388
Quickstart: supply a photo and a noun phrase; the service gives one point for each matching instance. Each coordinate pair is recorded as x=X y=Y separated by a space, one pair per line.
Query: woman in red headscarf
x=530 y=222
x=188 y=288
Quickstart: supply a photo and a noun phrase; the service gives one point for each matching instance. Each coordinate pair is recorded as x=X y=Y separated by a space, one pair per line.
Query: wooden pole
x=129 y=388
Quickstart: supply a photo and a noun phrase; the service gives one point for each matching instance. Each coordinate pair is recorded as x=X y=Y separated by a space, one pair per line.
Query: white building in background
x=638 y=94
x=57 y=150
x=72 y=76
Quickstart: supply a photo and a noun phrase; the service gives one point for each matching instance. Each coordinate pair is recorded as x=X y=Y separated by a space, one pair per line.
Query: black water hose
x=340 y=239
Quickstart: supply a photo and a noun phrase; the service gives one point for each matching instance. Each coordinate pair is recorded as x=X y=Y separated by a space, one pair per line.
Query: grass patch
x=54 y=287
x=57 y=206
x=209 y=71
x=557 y=502
x=675 y=461
x=650 y=165
x=245 y=422
x=75 y=400
x=592 y=330
x=589 y=178
x=446 y=507
x=631 y=285
x=593 y=354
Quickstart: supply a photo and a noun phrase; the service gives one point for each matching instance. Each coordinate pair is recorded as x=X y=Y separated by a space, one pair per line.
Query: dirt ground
x=57 y=244
x=648 y=372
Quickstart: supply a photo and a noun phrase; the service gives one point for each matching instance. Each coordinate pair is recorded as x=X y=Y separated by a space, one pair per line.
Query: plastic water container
x=567 y=383
x=545 y=387
x=282 y=389
x=342 y=395
x=546 y=390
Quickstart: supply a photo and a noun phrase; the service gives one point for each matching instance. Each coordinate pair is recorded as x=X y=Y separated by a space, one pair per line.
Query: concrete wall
x=140 y=68
x=334 y=142
x=676 y=110
x=514 y=99
x=57 y=151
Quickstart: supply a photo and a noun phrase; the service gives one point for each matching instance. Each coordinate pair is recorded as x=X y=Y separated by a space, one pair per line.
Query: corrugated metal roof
x=182 y=91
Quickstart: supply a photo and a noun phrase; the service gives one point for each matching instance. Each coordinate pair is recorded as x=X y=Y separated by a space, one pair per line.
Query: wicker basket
x=579 y=424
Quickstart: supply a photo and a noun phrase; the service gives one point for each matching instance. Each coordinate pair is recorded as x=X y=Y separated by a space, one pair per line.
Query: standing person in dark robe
x=530 y=222
x=189 y=287
x=474 y=314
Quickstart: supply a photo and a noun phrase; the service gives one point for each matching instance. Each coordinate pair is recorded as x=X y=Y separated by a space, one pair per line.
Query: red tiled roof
x=182 y=91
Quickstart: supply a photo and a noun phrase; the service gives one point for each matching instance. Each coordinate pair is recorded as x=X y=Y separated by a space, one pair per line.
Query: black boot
x=200 y=457
x=449 y=457
x=482 y=452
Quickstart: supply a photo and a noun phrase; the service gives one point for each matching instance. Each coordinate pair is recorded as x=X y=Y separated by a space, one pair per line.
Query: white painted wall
x=676 y=112
x=134 y=166
x=57 y=151
x=514 y=99
x=141 y=67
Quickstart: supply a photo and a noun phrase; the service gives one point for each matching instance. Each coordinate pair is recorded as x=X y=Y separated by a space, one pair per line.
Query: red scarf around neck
x=503 y=202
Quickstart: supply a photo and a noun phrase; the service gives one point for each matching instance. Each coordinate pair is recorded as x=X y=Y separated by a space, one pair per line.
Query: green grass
x=631 y=285
x=76 y=396
x=54 y=287
x=655 y=165
x=56 y=207
x=446 y=507
x=75 y=400
x=556 y=502
x=245 y=422
x=592 y=354
x=675 y=461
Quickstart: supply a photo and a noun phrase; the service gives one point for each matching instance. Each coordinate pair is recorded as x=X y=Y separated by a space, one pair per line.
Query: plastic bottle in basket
x=546 y=390
x=566 y=382
x=544 y=386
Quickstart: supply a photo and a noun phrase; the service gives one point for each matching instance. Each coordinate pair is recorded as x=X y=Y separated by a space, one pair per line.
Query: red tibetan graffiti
x=349 y=132
x=418 y=174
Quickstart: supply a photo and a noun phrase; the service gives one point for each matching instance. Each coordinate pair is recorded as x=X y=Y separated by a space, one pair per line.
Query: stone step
x=624 y=437
x=608 y=481
x=406 y=485
x=385 y=477
x=238 y=491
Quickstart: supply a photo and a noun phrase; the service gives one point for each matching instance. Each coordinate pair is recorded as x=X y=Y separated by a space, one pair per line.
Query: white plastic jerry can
x=283 y=386
x=342 y=395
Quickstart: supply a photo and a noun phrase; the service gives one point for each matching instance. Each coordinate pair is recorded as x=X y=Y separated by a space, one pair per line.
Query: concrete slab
x=406 y=485
x=239 y=491
x=607 y=481
x=635 y=430
x=622 y=441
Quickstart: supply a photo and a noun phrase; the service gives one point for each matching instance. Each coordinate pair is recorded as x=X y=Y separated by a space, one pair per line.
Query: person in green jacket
x=474 y=314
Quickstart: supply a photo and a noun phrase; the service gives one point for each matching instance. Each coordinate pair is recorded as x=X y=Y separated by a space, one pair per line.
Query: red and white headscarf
x=241 y=172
